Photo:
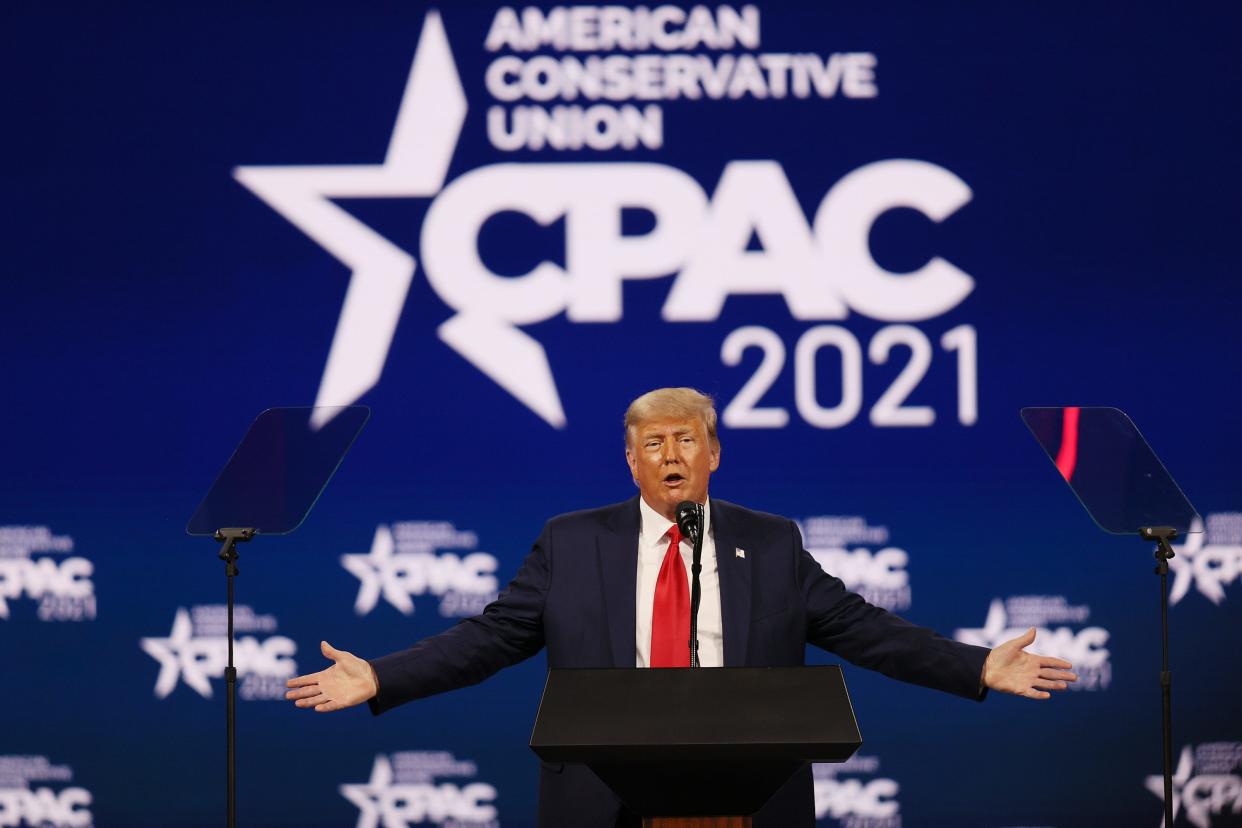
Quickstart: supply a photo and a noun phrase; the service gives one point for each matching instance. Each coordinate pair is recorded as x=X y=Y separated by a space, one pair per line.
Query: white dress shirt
x=652 y=546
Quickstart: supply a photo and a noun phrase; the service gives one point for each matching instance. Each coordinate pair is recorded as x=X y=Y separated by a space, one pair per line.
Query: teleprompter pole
x=228 y=553
x=1162 y=535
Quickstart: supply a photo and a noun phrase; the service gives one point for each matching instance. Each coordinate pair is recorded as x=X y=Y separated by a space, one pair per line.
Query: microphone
x=690 y=519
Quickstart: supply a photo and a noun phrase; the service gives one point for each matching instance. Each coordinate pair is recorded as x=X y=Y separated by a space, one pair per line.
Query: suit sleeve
x=842 y=622
x=509 y=630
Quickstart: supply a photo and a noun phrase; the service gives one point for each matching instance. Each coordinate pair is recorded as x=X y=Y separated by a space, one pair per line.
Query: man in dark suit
x=607 y=588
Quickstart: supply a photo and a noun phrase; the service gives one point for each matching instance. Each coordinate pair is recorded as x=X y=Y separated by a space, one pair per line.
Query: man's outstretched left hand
x=1010 y=669
x=349 y=681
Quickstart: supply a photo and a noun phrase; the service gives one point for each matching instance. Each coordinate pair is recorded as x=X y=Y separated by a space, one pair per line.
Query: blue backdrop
x=872 y=233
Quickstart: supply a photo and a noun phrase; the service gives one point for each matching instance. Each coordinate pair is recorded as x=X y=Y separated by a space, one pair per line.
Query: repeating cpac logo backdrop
x=196 y=652
x=63 y=588
x=1206 y=785
x=1210 y=558
x=403 y=563
x=852 y=795
x=25 y=803
x=821 y=265
x=1081 y=645
x=860 y=556
x=407 y=789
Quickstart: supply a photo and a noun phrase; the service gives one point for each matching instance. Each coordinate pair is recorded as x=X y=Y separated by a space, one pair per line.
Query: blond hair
x=672 y=403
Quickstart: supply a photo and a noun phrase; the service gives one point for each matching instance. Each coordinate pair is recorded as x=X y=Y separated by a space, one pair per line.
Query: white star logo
x=180 y=654
x=994 y=631
x=1185 y=766
x=376 y=571
x=366 y=795
x=429 y=122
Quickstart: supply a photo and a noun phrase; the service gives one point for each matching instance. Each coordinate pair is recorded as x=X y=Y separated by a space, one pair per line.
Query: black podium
x=695 y=747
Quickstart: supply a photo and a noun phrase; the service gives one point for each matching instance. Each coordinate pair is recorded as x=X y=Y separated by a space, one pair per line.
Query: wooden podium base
x=697 y=822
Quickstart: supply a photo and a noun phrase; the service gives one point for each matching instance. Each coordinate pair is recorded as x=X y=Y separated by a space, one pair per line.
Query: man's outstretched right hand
x=349 y=681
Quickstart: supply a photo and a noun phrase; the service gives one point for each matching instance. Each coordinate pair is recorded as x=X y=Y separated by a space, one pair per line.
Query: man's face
x=671 y=461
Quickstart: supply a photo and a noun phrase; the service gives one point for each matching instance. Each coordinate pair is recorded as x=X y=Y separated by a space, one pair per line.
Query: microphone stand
x=695 y=567
x=690 y=516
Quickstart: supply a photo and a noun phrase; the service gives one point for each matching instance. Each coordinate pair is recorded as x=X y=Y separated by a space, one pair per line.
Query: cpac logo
x=842 y=545
x=879 y=577
x=852 y=797
x=1215 y=789
x=1209 y=566
x=1084 y=649
x=56 y=585
x=823 y=268
x=382 y=801
x=63 y=589
x=464 y=583
x=854 y=802
x=262 y=666
x=45 y=808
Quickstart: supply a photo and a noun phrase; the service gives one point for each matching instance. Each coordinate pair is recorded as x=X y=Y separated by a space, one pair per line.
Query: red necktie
x=670 y=616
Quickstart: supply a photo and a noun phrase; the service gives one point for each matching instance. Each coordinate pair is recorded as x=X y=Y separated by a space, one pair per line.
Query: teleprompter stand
x=268 y=486
x=228 y=553
x=1127 y=490
x=1162 y=535
x=687 y=748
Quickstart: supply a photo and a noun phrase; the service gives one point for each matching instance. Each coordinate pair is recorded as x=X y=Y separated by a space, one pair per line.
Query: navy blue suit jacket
x=575 y=596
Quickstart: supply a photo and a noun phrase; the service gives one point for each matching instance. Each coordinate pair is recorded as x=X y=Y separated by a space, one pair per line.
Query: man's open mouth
x=673 y=479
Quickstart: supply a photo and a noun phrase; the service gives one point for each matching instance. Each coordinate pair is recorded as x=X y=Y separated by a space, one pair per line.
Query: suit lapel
x=734 y=573
x=618 y=563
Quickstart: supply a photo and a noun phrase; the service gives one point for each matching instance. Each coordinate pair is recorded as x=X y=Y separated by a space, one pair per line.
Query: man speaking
x=608 y=587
